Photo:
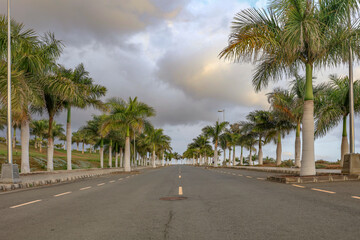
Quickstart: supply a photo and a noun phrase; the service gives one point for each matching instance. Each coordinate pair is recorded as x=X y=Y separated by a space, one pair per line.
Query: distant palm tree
x=39 y=130
x=214 y=132
x=130 y=115
x=334 y=107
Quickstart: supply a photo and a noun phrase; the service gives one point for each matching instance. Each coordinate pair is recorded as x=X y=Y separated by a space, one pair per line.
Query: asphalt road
x=220 y=204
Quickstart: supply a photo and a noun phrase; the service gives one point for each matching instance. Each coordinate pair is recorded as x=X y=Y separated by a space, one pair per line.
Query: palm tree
x=30 y=56
x=214 y=132
x=87 y=93
x=334 y=107
x=38 y=129
x=291 y=103
x=130 y=115
x=288 y=35
x=156 y=139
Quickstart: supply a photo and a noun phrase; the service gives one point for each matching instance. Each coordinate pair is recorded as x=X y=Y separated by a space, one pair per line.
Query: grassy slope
x=38 y=160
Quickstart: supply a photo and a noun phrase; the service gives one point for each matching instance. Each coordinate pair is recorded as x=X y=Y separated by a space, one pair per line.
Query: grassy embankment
x=38 y=159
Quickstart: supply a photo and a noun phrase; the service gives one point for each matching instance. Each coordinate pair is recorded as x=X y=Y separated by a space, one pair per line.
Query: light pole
x=223 y=111
x=9 y=171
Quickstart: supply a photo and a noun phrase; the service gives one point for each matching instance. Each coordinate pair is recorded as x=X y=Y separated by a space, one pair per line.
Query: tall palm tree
x=156 y=139
x=130 y=115
x=38 y=129
x=288 y=35
x=334 y=107
x=214 y=132
x=90 y=94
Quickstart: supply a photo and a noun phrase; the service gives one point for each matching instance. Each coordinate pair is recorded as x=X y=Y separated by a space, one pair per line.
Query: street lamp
x=223 y=111
x=9 y=171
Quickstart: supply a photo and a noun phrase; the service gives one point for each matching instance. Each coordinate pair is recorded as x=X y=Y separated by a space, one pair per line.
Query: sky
x=165 y=52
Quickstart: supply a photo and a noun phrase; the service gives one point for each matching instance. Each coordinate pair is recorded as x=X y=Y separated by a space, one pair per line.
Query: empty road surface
x=221 y=204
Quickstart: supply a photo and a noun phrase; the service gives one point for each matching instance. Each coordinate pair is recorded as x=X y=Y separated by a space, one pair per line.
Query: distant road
x=221 y=204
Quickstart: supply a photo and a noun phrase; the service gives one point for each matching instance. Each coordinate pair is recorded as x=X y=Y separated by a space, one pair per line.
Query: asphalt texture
x=221 y=204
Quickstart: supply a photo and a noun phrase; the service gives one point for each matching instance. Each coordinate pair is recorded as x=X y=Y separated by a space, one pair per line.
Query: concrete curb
x=281 y=170
x=40 y=178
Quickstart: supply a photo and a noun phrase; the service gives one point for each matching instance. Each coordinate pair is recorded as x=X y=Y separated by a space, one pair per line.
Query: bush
x=287 y=163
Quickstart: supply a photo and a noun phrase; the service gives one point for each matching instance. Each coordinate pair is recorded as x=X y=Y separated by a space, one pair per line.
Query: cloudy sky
x=166 y=53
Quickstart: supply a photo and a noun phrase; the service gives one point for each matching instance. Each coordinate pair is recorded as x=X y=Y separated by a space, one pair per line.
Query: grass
x=38 y=159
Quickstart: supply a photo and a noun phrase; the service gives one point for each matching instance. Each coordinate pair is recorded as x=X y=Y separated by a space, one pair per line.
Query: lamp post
x=223 y=111
x=9 y=171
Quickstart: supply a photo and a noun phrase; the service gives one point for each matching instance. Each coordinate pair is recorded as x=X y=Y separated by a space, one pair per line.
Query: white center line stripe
x=299 y=186
x=249 y=176
x=84 y=188
x=320 y=190
x=120 y=179
x=240 y=175
x=20 y=205
x=111 y=181
x=60 y=194
x=179 y=176
x=100 y=184
x=180 y=190
x=356 y=197
x=259 y=178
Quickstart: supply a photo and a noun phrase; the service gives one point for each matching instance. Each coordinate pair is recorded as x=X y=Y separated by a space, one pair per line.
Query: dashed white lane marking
x=179 y=176
x=112 y=181
x=120 y=179
x=356 y=197
x=249 y=176
x=240 y=175
x=180 y=190
x=234 y=174
x=321 y=190
x=20 y=205
x=259 y=178
x=127 y=176
x=61 y=194
x=299 y=186
x=100 y=184
x=84 y=188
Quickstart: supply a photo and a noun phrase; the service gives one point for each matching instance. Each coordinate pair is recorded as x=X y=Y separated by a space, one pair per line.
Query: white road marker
x=120 y=179
x=249 y=176
x=299 y=186
x=320 y=190
x=20 y=205
x=179 y=176
x=112 y=181
x=259 y=178
x=234 y=174
x=356 y=197
x=180 y=190
x=240 y=175
x=84 y=188
x=100 y=184
x=61 y=194
x=127 y=176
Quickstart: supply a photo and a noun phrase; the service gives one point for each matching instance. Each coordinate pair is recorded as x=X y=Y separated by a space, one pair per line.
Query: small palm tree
x=334 y=107
x=130 y=115
x=214 y=132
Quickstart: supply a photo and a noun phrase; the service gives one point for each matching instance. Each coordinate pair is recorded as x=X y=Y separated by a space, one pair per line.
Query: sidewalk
x=44 y=177
x=283 y=170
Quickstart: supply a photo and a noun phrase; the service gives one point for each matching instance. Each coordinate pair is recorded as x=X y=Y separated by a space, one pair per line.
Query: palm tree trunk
x=344 y=142
x=77 y=146
x=50 y=147
x=308 y=154
x=68 y=138
x=14 y=139
x=101 y=153
x=193 y=160
x=216 y=154
x=110 y=154
x=241 y=156
x=25 y=136
x=83 y=147
x=234 y=162
x=260 y=153
x=297 y=146
x=153 y=157
x=121 y=157
x=40 y=144
x=116 y=155
x=229 y=156
x=250 y=157
x=278 y=150
x=224 y=161
x=163 y=159
x=127 y=152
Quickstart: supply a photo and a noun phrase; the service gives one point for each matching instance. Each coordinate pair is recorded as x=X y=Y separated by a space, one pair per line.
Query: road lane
x=218 y=206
